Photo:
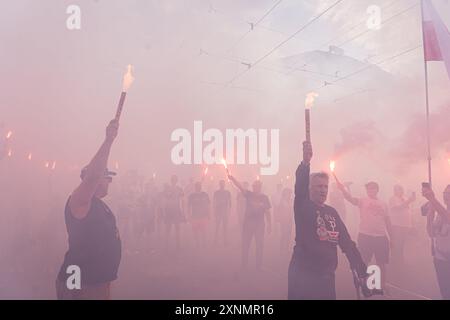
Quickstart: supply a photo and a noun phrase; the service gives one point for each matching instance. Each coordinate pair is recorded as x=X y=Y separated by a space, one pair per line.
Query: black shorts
x=370 y=246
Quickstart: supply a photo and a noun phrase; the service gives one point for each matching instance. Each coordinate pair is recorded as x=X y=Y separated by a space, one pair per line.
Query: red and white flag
x=436 y=36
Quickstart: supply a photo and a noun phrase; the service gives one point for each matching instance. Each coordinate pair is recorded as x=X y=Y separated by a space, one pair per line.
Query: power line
x=253 y=25
x=328 y=83
x=363 y=22
x=244 y=62
x=390 y=19
x=286 y=40
x=356 y=26
x=371 y=66
x=379 y=63
x=330 y=42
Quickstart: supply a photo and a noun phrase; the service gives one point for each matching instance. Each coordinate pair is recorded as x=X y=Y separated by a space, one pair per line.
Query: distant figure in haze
x=94 y=241
x=173 y=212
x=400 y=212
x=241 y=204
x=188 y=190
x=438 y=228
x=222 y=208
x=254 y=225
x=374 y=227
x=147 y=209
x=160 y=224
x=199 y=207
x=285 y=211
x=275 y=201
x=319 y=230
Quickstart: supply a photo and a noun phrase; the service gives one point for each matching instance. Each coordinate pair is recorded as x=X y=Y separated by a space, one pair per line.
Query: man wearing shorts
x=374 y=227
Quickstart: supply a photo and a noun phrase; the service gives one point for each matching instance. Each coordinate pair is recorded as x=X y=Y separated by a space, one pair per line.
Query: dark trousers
x=309 y=285
x=442 y=268
x=253 y=229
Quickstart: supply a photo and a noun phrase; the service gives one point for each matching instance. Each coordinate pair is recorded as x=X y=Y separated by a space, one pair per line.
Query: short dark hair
x=372 y=184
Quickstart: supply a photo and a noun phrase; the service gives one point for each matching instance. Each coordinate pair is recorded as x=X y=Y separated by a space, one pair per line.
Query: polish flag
x=435 y=35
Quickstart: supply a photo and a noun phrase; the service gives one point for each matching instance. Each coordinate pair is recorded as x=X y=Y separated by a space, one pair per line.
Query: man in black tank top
x=92 y=260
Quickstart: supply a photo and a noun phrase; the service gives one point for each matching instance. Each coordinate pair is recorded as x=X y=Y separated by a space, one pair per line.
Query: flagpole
x=426 y=97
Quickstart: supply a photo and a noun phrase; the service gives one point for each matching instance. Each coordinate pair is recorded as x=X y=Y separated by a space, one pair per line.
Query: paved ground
x=148 y=272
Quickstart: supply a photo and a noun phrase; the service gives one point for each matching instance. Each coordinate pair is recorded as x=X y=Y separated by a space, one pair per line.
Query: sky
x=191 y=58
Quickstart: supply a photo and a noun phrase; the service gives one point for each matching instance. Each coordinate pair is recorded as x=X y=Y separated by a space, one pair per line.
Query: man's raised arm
x=302 y=174
x=347 y=196
x=437 y=206
x=81 y=197
x=236 y=183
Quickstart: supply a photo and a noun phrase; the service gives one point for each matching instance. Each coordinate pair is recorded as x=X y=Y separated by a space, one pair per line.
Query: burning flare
x=54 y=165
x=310 y=98
x=224 y=164
x=128 y=78
x=9 y=134
x=9 y=153
x=30 y=155
x=332 y=165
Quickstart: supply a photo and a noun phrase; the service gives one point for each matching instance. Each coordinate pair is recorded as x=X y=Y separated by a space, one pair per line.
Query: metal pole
x=426 y=99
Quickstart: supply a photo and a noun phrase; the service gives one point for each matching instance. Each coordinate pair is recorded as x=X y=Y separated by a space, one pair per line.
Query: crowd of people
x=204 y=214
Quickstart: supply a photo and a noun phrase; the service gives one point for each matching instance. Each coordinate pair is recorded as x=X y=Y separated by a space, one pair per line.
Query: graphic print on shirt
x=322 y=231
x=333 y=235
x=327 y=233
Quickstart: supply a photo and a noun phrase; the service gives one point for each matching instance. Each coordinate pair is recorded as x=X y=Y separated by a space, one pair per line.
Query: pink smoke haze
x=232 y=65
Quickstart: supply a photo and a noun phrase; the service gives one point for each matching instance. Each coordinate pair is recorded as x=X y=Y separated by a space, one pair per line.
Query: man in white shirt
x=400 y=213
x=374 y=227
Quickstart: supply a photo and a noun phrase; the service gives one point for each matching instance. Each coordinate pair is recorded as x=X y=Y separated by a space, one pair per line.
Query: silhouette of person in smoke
x=254 y=225
x=173 y=210
x=222 y=207
x=94 y=241
x=199 y=214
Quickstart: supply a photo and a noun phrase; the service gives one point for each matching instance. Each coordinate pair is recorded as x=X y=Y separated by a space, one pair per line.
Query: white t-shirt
x=399 y=216
x=372 y=217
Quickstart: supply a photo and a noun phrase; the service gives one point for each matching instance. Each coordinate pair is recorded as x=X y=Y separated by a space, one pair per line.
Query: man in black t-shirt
x=256 y=213
x=319 y=230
